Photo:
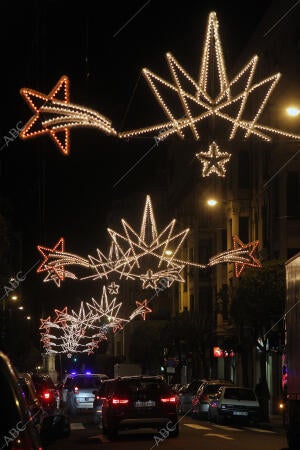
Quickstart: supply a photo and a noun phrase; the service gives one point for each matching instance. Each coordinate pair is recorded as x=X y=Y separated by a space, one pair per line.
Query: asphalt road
x=194 y=435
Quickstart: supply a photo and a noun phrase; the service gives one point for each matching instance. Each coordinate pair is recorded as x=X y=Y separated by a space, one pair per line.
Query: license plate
x=147 y=404
x=240 y=413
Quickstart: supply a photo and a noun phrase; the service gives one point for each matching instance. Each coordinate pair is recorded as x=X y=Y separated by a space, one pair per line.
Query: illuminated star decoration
x=57 y=273
x=55 y=115
x=212 y=95
x=82 y=331
x=113 y=288
x=213 y=161
x=141 y=309
x=143 y=256
x=250 y=249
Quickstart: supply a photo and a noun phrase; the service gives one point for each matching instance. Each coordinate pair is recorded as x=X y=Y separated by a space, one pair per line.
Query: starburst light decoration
x=55 y=115
x=143 y=255
x=213 y=161
x=200 y=102
x=83 y=331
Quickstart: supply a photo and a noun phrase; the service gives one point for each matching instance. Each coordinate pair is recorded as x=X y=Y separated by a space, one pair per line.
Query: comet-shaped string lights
x=83 y=331
x=199 y=103
x=55 y=115
x=144 y=255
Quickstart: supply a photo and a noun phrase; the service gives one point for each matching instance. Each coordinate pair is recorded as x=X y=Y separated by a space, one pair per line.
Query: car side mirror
x=55 y=427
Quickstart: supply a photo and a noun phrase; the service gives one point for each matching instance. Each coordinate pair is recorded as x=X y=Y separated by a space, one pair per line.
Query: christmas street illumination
x=198 y=103
x=55 y=115
x=142 y=309
x=82 y=331
x=213 y=161
x=142 y=255
x=250 y=248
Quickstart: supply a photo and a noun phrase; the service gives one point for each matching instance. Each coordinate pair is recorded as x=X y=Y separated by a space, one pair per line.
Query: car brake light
x=97 y=397
x=46 y=395
x=168 y=400
x=119 y=401
x=76 y=389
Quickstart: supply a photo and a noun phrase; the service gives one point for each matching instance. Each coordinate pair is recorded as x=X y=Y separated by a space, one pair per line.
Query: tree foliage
x=258 y=301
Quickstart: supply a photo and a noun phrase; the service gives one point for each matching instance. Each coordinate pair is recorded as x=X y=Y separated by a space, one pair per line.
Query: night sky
x=102 y=49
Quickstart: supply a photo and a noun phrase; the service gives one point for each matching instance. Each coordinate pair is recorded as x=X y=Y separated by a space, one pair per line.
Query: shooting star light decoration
x=55 y=115
x=144 y=255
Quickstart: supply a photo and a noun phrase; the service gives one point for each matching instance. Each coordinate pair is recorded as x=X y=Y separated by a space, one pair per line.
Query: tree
x=257 y=306
x=188 y=335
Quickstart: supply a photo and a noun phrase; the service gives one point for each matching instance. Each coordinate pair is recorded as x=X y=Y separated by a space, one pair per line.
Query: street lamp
x=293 y=111
x=212 y=202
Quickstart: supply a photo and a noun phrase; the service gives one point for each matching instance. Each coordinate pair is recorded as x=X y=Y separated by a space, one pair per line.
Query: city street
x=194 y=434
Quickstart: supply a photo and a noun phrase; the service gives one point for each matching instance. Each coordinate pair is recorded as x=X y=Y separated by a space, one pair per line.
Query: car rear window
x=148 y=387
x=211 y=389
x=84 y=382
x=239 y=394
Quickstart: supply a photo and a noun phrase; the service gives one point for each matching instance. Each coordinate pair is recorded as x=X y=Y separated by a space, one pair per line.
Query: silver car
x=234 y=402
x=84 y=386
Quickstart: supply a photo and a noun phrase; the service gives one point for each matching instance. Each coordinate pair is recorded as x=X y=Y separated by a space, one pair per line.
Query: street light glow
x=28 y=317
x=14 y=297
x=212 y=202
x=293 y=111
x=168 y=252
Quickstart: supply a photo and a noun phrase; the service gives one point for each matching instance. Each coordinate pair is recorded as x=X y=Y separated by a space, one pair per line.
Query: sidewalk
x=275 y=421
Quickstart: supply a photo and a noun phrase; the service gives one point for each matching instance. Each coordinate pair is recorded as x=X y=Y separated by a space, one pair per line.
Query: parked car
x=186 y=394
x=31 y=397
x=234 y=402
x=17 y=427
x=204 y=394
x=47 y=392
x=139 y=402
x=85 y=384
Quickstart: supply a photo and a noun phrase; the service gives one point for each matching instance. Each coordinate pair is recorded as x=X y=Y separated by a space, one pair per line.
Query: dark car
x=47 y=392
x=138 y=402
x=186 y=394
x=100 y=395
x=17 y=426
x=31 y=397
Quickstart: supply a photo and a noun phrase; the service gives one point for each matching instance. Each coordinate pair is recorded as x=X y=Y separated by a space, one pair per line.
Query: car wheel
x=174 y=433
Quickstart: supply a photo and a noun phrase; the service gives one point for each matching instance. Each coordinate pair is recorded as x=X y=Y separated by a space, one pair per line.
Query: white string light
x=207 y=104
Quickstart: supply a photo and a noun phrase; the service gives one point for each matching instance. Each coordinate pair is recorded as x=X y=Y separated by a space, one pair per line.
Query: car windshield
x=239 y=394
